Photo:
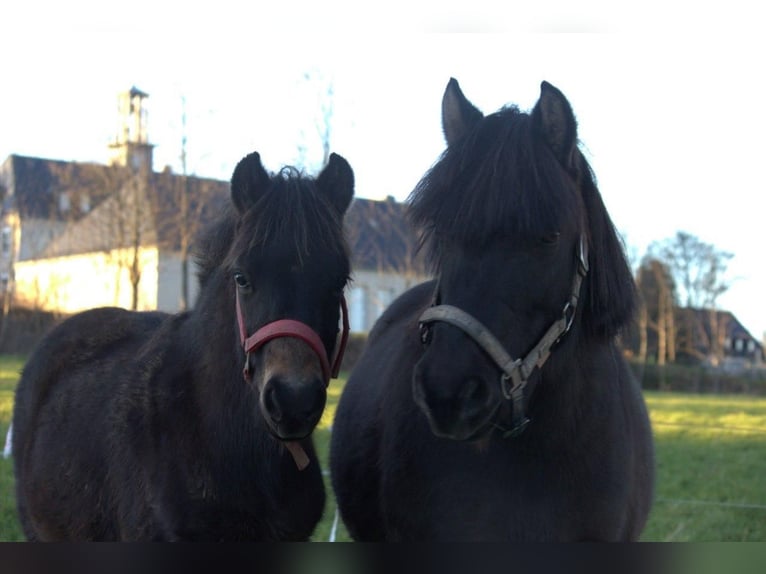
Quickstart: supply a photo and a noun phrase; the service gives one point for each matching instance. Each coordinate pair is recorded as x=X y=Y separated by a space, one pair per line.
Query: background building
x=80 y=235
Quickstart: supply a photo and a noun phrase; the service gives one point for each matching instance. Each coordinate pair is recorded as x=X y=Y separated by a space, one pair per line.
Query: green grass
x=10 y=368
x=711 y=465
x=322 y=442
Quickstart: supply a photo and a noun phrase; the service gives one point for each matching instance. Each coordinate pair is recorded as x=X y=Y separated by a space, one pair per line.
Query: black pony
x=493 y=403
x=145 y=426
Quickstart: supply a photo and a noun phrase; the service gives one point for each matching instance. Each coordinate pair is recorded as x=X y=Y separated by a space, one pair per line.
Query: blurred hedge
x=23 y=328
x=699 y=379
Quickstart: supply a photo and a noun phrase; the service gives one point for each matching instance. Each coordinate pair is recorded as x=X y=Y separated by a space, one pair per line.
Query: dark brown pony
x=145 y=426
x=493 y=403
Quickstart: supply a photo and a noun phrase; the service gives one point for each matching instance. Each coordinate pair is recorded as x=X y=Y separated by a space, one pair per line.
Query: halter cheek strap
x=296 y=330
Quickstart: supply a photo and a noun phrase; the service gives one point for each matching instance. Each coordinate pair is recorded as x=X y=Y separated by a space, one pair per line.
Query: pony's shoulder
x=90 y=332
x=111 y=321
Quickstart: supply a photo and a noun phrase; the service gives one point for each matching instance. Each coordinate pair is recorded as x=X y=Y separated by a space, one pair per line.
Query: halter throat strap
x=296 y=330
x=515 y=372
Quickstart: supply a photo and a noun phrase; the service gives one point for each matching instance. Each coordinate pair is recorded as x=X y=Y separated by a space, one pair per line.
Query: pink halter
x=297 y=330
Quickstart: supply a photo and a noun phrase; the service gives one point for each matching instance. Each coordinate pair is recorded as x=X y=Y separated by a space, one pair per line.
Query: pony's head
x=526 y=257
x=288 y=264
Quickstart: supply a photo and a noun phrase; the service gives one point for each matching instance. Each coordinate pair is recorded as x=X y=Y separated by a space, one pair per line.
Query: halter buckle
x=246 y=368
x=515 y=376
x=569 y=315
x=517 y=429
x=516 y=395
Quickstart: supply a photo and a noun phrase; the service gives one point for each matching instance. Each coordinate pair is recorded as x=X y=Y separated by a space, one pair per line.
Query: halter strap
x=297 y=330
x=515 y=372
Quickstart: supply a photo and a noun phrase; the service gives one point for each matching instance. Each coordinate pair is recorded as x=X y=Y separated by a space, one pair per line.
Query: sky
x=669 y=97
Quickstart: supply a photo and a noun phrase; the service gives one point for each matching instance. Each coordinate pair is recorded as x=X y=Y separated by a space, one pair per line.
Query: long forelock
x=293 y=215
x=497 y=181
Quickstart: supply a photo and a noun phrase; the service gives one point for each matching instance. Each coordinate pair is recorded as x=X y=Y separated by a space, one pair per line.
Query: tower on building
x=131 y=147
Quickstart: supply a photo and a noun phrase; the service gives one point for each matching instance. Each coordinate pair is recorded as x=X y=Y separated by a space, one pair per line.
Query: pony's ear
x=336 y=181
x=554 y=121
x=249 y=182
x=458 y=114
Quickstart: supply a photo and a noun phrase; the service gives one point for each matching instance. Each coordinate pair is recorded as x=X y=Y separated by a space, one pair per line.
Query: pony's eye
x=241 y=280
x=550 y=238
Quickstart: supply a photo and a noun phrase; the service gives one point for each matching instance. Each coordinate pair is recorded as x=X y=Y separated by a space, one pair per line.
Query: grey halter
x=515 y=372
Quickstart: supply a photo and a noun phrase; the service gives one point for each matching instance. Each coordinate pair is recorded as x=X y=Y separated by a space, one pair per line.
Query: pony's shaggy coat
x=503 y=213
x=139 y=426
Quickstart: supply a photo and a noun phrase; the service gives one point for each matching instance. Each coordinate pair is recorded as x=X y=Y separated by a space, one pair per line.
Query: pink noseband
x=297 y=330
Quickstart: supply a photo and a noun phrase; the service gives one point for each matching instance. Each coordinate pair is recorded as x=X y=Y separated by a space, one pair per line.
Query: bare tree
x=319 y=89
x=184 y=206
x=183 y=212
x=133 y=223
x=657 y=294
x=106 y=209
x=383 y=240
x=700 y=269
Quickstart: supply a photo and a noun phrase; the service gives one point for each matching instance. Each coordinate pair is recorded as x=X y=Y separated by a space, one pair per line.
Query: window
x=739 y=344
x=64 y=203
x=5 y=249
x=383 y=298
x=357 y=310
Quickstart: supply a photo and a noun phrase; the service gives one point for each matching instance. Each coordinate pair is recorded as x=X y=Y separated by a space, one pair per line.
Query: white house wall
x=79 y=282
x=370 y=293
x=169 y=282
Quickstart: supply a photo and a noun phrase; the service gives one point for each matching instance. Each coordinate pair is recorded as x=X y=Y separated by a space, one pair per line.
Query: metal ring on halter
x=515 y=376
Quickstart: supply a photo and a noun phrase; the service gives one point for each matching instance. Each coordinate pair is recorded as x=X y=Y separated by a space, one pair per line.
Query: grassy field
x=711 y=465
x=9 y=375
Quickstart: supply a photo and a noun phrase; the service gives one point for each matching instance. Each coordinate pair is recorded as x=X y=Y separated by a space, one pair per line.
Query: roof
x=110 y=224
x=734 y=329
x=35 y=186
x=134 y=91
x=380 y=236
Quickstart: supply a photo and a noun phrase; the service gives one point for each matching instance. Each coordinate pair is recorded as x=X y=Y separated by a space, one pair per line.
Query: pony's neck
x=572 y=382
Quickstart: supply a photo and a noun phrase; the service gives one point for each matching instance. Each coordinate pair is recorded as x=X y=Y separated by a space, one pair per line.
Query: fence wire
x=734 y=505
x=708 y=427
x=712 y=503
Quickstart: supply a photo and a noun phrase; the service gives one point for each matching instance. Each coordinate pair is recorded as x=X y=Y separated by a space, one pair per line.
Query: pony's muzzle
x=293 y=407
x=293 y=393
x=457 y=408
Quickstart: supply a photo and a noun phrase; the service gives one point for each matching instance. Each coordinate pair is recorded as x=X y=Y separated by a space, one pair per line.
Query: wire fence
x=712 y=503
x=709 y=427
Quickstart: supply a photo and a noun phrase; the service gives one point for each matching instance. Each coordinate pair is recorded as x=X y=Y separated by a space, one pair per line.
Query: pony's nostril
x=473 y=396
x=469 y=389
x=271 y=403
